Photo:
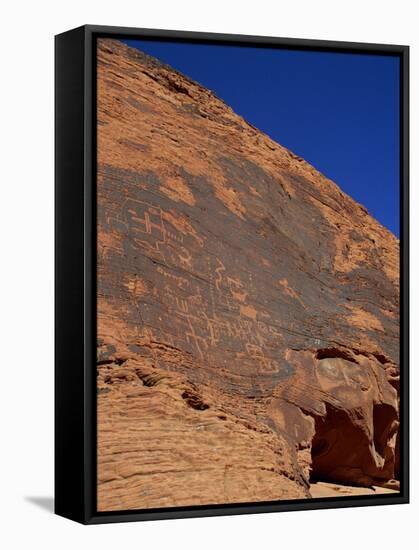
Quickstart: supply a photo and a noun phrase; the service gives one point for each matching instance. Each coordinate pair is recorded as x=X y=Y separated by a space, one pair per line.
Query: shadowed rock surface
x=248 y=309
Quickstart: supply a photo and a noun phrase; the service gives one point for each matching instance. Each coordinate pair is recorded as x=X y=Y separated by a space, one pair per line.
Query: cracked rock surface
x=248 y=309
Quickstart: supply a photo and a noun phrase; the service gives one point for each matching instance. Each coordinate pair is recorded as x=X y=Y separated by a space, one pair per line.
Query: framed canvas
x=231 y=274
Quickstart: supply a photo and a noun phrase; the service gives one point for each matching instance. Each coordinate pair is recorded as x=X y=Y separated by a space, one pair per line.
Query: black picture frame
x=75 y=285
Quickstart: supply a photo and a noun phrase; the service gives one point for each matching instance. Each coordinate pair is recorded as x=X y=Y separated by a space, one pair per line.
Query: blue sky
x=338 y=111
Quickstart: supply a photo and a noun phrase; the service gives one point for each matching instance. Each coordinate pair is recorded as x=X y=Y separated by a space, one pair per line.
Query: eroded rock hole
x=118 y=361
x=320 y=446
x=381 y=358
x=339 y=448
x=385 y=427
x=194 y=401
x=335 y=353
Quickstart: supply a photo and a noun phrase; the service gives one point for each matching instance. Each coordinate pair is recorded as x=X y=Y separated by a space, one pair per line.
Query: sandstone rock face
x=248 y=309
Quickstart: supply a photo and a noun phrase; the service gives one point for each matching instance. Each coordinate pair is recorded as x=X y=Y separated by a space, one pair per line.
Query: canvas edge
x=85 y=509
x=69 y=384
